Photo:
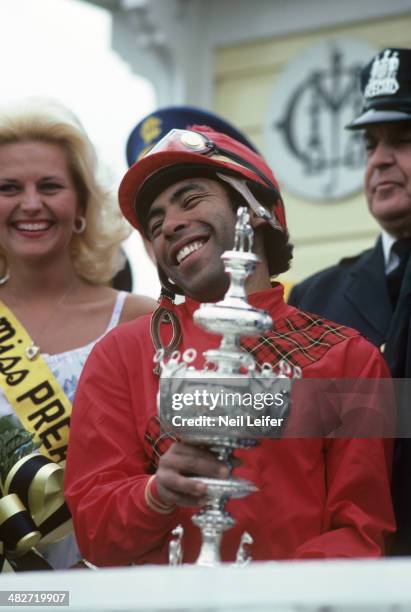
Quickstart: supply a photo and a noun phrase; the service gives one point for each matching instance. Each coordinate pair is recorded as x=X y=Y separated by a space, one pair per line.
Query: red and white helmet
x=199 y=151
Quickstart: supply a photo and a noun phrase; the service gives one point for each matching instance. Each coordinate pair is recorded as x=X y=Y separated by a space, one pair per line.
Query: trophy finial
x=244 y=235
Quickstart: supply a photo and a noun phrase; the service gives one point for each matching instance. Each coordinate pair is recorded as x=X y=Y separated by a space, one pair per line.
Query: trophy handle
x=175 y=548
x=243 y=553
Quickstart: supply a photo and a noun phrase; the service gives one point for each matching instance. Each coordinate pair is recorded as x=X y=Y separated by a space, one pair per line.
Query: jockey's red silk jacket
x=318 y=497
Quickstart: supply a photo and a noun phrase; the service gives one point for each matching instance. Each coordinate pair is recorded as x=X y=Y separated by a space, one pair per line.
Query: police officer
x=372 y=291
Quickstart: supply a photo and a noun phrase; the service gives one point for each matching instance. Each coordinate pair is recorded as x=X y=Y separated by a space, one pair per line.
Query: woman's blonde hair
x=95 y=253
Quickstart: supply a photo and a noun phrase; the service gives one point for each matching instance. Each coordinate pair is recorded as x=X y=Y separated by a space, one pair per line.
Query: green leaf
x=15 y=443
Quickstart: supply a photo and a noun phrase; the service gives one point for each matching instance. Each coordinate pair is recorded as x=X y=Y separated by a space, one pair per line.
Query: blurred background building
x=284 y=72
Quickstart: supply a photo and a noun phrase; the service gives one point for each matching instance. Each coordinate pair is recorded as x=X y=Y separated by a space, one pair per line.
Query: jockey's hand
x=183 y=460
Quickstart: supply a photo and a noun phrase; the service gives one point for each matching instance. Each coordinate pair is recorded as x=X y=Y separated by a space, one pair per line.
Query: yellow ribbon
x=30 y=387
x=19 y=530
x=33 y=509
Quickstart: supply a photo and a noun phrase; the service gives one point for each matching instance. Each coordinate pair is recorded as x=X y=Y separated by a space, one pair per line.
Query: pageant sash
x=30 y=387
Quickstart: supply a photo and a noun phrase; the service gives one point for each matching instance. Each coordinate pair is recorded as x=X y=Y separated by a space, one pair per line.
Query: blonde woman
x=60 y=237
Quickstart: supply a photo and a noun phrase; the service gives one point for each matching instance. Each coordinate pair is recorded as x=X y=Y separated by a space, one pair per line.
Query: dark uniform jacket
x=354 y=293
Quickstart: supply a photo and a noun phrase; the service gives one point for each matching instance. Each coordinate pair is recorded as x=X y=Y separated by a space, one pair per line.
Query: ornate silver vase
x=231 y=373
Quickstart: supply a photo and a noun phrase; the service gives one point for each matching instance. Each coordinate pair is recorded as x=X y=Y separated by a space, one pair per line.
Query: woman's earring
x=5 y=278
x=79 y=225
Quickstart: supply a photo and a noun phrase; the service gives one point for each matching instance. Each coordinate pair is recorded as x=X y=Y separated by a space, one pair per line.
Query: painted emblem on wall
x=314 y=98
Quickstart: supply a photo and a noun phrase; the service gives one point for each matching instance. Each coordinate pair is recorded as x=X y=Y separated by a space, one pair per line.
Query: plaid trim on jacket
x=299 y=339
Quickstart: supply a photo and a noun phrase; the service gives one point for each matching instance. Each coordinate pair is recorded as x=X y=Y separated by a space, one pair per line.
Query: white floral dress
x=66 y=368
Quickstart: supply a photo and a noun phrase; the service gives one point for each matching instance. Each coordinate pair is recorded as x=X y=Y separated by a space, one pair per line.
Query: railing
x=310 y=586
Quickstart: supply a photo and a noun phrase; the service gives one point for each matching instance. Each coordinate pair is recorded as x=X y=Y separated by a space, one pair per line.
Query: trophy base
x=213 y=520
x=235 y=488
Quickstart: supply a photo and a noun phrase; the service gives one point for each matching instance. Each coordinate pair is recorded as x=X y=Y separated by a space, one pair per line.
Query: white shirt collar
x=391 y=259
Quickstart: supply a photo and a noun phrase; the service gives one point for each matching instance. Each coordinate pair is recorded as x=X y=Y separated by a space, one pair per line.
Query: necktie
x=402 y=248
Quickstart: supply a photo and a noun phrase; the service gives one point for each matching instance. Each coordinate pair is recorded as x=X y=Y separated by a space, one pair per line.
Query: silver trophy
x=228 y=373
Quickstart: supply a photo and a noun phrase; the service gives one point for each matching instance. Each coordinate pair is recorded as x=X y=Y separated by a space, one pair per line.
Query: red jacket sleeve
x=358 y=512
x=107 y=469
x=358 y=515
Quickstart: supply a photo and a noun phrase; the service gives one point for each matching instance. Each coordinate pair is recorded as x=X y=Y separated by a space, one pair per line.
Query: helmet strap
x=240 y=185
